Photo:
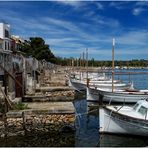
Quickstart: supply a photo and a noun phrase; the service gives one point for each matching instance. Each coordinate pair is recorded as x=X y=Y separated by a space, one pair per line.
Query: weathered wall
x=35 y=122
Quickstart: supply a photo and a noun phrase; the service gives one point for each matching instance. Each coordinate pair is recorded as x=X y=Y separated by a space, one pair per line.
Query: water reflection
x=39 y=139
x=122 y=141
x=87 y=129
x=86 y=125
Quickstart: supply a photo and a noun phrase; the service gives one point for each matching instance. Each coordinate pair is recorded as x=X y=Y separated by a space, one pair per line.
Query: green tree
x=37 y=48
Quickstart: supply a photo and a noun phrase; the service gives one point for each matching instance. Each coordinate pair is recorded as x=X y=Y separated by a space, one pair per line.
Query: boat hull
x=128 y=97
x=106 y=96
x=77 y=85
x=114 y=122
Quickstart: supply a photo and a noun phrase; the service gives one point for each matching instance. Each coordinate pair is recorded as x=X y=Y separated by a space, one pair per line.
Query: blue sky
x=69 y=27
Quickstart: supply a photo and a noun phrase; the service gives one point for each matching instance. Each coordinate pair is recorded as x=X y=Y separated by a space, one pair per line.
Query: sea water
x=87 y=121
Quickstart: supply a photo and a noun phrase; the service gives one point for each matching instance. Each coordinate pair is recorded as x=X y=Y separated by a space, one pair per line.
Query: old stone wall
x=36 y=122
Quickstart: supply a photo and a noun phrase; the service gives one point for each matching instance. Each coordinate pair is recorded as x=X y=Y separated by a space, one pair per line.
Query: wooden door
x=18 y=88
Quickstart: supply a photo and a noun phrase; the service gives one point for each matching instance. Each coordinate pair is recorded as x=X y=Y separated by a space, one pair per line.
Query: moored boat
x=77 y=84
x=125 y=119
x=79 y=81
x=129 y=96
x=101 y=81
x=97 y=92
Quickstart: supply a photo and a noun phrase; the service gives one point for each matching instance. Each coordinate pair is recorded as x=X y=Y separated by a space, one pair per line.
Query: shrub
x=20 y=106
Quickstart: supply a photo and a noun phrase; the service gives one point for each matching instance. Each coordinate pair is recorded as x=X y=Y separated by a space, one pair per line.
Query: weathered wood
x=113 y=65
x=6 y=98
x=5 y=124
x=24 y=121
x=11 y=75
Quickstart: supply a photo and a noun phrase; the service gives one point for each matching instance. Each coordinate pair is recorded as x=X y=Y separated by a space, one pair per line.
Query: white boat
x=79 y=81
x=125 y=119
x=123 y=95
x=101 y=81
x=77 y=84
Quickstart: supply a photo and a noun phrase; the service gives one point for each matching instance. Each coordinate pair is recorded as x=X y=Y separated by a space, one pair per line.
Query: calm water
x=87 y=133
x=87 y=127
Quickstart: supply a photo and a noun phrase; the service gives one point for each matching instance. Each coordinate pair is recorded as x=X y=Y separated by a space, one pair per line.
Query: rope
x=109 y=120
x=80 y=114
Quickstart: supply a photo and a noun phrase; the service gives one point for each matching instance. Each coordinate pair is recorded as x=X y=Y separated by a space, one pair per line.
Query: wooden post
x=113 y=65
x=129 y=77
x=77 y=63
x=80 y=66
x=5 y=106
x=34 y=75
x=5 y=71
x=24 y=121
x=83 y=65
x=83 y=60
x=72 y=62
x=6 y=98
x=5 y=123
x=87 y=67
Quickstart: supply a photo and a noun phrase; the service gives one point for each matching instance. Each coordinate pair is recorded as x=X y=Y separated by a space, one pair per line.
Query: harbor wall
x=43 y=121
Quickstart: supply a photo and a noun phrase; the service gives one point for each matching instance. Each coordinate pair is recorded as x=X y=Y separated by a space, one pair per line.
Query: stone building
x=21 y=73
x=5 y=36
x=16 y=43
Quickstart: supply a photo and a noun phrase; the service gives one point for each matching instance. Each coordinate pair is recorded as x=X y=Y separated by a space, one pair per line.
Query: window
x=5 y=45
x=1 y=46
x=142 y=110
x=6 y=33
x=8 y=45
x=135 y=106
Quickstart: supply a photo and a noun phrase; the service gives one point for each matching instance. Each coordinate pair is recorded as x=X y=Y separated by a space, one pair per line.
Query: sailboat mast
x=113 y=64
x=87 y=67
x=80 y=66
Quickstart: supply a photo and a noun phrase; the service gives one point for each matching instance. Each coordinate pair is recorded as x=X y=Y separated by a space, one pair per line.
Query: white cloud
x=68 y=38
x=142 y=3
x=99 y=6
x=137 y=11
x=75 y=4
x=119 y=4
x=134 y=39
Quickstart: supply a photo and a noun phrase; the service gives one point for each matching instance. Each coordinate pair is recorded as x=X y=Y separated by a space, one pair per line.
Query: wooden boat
x=102 y=82
x=77 y=84
x=80 y=83
x=125 y=119
x=123 y=95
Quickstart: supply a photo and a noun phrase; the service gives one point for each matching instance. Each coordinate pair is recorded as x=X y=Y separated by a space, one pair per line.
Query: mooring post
x=88 y=82
x=5 y=118
x=5 y=124
x=24 y=121
x=5 y=105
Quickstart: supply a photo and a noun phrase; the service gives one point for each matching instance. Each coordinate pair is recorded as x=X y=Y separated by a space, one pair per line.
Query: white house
x=1 y=44
x=5 y=36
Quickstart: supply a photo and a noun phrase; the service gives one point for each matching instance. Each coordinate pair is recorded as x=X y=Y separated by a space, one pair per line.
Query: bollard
x=24 y=121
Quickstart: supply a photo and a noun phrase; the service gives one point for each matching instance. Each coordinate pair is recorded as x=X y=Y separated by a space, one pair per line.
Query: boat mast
x=113 y=64
x=80 y=67
x=87 y=67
